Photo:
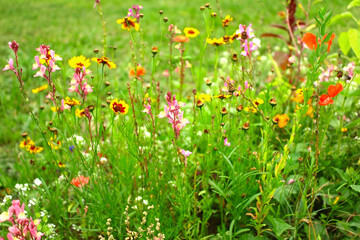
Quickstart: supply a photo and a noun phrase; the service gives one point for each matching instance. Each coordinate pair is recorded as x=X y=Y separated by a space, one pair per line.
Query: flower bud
x=246 y=126
x=165 y=19
x=273 y=102
x=223 y=111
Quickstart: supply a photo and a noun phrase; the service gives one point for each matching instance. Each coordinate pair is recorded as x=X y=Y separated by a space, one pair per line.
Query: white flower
x=37 y=182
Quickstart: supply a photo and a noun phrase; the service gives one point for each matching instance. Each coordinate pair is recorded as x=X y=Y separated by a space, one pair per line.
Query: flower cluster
x=22 y=227
x=134 y=11
x=29 y=146
x=246 y=33
x=79 y=83
x=173 y=112
x=333 y=90
x=46 y=62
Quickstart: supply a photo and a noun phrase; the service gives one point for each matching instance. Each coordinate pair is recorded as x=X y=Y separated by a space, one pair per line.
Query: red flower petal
x=334 y=90
x=310 y=40
x=325 y=100
x=330 y=41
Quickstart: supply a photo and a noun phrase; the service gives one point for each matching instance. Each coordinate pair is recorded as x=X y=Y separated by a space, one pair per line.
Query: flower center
x=118 y=108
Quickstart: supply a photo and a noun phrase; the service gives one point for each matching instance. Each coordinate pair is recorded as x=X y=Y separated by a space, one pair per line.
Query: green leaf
x=279 y=225
x=344 y=42
x=341 y=16
x=353 y=123
x=355 y=187
x=354 y=39
x=354 y=3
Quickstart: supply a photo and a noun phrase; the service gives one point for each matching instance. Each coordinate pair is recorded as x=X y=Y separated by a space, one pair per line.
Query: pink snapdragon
x=186 y=154
x=22 y=227
x=350 y=69
x=249 y=47
x=134 y=11
x=324 y=76
x=147 y=109
x=79 y=83
x=46 y=62
x=173 y=112
x=10 y=66
x=245 y=32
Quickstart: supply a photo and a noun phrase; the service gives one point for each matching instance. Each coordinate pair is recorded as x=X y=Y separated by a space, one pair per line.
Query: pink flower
x=79 y=83
x=173 y=112
x=290 y=181
x=186 y=154
x=10 y=65
x=80 y=181
x=324 y=76
x=135 y=12
x=64 y=105
x=226 y=142
x=147 y=109
x=350 y=69
x=14 y=46
x=166 y=73
x=51 y=96
x=96 y=2
x=248 y=48
x=245 y=32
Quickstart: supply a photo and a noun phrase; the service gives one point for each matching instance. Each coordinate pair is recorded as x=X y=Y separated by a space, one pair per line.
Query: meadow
x=179 y=119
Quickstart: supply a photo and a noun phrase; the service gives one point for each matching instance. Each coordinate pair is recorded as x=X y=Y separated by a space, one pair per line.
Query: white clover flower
x=103 y=160
x=146 y=202
x=138 y=198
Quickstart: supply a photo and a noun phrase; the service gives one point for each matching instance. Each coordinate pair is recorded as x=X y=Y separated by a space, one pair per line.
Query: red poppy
x=310 y=40
x=334 y=90
x=325 y=100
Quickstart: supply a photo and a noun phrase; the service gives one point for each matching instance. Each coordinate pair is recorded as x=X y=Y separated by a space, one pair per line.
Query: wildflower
x=186 y=154
x=173 y=112
x=239 y=108
x=40 y=89
x=200 y=103
x=80 y=113
x=147 y=109
x=227 y=20
x=53 y=143
x=154 y=50
x=246 y=126
x=10 y=66
x=334 y=90
x=26 y=142
x=34 y=149
x=79 y=83
x=245 y=32
x=223 y=111
x=250 y=109
x=215 y=41
x=299 y=96
x=104 y=61
x=134 y=11
x=191 y=32
x=46 y=61
x=325 y=100
x=140 y=71
x=226 y=142
x=79 y=62
x=258 y=102
x=336 y=200
x=249 y=47
x=166 y=73
x=223 y=96
x=281 y=120
x=119 y=106
x=80 y=181
x=71 y=101
x=344 y=129
x=310 y=41
x=127 y=23
x=273 y=102
x=55 y=109
x=324 y=76
x=14 y=46
x=181 y=39
x=350 y=69
x=205 y=97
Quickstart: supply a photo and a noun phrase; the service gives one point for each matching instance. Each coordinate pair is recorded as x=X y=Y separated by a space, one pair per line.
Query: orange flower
x=226 y=21
x=310 y=40
x=334 y=90
x=181 y=39
x=104 y=61
x=140 y=71
x=282 y=120
x=80 y=181
x=325 y=100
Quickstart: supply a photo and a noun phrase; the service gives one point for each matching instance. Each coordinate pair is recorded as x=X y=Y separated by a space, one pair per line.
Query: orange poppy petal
x=310 y=40
x=325 y=100
x=334 y=90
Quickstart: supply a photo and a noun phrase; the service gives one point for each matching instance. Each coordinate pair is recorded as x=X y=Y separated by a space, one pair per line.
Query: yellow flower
x=250 y=109
x=222 y=96
x=344 y=129
x=191 y=32
x=79 y=62
x=61 y=165
x=104 y=60
x=282 y=120
x=80 y=113
x=71 y=102
x=215 y=41
x=34 y=149
x=205 y=97
x=227 y=20
x=119 y=106
x=26 y=142
x=336 y=200
x=40 y=89
x=54 y=144
x=127 y=23
x=299 y=96
x=258 y=102
x=55 y=109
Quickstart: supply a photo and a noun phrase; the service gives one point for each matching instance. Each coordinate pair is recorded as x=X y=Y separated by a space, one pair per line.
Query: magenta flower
x=248 y=46
x=147 y=109
x=350 y=69
x=186 y=154
x=79 y=83
x=14 y=46
x=226 y=142
x=245 y=32
x=174 y=114
x=46 y=61
x=10 y=66
x=135 y=12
